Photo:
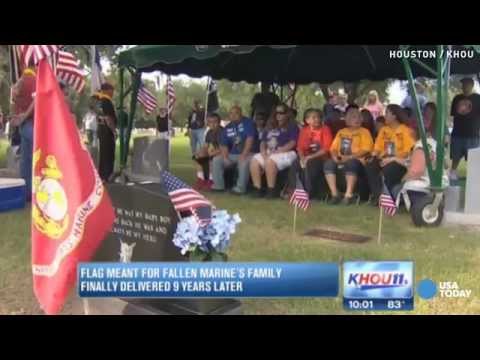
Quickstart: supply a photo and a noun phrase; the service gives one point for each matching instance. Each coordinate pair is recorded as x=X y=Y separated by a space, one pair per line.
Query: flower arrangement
x=208 y=243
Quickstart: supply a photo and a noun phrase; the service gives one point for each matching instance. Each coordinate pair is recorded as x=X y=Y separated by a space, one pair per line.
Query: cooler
x=12 y=194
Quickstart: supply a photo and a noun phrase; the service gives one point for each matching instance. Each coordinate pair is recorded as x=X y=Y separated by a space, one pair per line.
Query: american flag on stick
x=300 y=197
x=147 y=99
x=387 y=203
x=184 y=199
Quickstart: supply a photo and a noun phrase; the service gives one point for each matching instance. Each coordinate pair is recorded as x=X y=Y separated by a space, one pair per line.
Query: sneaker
x=374 y=201
x=257 y=193
x=199 y=184
x=271 y=194
x=334 y=200
x=208 y=185
x=453 y=175
x=350 y=200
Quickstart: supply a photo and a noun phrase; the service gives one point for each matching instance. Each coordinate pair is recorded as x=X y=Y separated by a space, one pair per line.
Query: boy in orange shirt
x=313 y=150
x=350 y=149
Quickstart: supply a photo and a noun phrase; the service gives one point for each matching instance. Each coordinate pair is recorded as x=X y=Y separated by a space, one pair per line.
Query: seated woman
x=209 y=150
x=313 y=150
x=394 y=142
x=416 y=178
x=368 y=122
x=277 y=151
x=379 y=124
x=349 y=149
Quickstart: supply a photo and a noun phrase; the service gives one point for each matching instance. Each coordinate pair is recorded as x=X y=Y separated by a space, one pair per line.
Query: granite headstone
x=472 y=192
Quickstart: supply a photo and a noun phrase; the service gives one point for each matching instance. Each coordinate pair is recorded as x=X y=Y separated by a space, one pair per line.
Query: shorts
x=352 y=167
x=459 y=147
x=283 y=160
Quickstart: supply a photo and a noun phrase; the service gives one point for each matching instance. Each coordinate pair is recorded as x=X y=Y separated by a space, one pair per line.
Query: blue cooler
x=12 y=194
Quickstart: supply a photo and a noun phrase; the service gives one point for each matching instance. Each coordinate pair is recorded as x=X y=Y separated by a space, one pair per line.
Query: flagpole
x=206 y=101
x=380 y=224
x=295 y=220
x=86 y=307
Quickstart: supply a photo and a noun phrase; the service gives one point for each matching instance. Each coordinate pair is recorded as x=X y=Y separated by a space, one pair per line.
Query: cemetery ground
x=442 y=254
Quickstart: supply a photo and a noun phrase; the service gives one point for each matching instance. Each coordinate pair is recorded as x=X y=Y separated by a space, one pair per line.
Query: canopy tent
x=283 y=64
x=305 y=64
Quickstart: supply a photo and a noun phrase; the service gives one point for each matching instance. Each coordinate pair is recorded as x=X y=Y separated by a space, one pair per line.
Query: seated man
x=349 y=149
x=277 y=151
x=209 y=150
x=237 y=142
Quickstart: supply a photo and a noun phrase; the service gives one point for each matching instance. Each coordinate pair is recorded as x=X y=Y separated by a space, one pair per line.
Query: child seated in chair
x=208 y=151
x=349 y=150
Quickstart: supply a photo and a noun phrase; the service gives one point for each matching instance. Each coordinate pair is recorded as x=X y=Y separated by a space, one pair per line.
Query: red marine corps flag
x=71 y=210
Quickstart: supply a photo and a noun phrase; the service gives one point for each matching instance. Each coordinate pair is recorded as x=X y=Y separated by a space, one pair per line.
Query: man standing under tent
x=107 y=133
x=196 y=127
x=466 y=125
x=264 y=102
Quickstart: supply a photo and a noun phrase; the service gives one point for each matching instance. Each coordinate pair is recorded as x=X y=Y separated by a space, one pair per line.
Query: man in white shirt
x=90 y=124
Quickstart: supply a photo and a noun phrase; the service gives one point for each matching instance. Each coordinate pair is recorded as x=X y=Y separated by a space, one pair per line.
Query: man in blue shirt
x=237 y=143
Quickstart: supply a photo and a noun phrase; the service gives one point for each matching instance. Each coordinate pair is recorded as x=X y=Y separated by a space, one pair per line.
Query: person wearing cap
x=106 y=128
x=466 y=125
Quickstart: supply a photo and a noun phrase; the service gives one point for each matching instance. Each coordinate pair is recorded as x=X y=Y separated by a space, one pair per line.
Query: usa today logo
x=428 y=289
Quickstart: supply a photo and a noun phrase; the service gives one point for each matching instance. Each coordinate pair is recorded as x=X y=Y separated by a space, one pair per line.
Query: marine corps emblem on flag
x=50 y=204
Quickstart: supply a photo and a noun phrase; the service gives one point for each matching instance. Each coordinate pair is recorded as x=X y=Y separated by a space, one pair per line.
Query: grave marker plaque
x=144 y=226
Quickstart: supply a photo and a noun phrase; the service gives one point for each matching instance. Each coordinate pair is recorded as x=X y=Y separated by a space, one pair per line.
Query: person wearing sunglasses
x=277 y=151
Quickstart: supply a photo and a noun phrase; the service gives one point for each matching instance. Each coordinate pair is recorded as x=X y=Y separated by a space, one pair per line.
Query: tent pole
x=443 y=77
x=121 y=109
x=131 y=118
x=419 y=113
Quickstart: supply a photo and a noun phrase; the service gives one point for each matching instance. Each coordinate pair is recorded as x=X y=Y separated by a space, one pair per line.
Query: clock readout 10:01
x=369 y=304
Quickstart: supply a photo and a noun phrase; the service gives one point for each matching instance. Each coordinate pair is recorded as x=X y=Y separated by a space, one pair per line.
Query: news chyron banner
x=208 y=280
x=367 y=286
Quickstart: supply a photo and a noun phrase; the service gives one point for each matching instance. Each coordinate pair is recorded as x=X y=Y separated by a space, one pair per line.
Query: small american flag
x=147 y=99
x=70 y=71
x=185 y=199
x=300 y=197
x=387 y=203
x=171 y=97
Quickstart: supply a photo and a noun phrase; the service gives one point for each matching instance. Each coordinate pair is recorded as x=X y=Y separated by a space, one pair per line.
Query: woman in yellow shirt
x=392 y=146
x=349 y=150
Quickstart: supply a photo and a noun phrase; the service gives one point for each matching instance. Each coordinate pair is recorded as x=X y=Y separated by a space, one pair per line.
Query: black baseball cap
x=467 y=80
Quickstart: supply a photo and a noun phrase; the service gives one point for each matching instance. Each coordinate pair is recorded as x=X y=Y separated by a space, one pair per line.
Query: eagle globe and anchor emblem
x=50 y=204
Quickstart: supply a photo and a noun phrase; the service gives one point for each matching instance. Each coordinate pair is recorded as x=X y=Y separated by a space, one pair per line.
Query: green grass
x=3 y=153
x=443 y=254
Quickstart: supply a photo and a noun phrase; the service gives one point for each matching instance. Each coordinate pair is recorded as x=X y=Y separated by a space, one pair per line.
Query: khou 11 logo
x=427 y=289
x=378 y=285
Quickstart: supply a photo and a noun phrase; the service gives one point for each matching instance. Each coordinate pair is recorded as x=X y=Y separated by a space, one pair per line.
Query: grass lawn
x=443 y=254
